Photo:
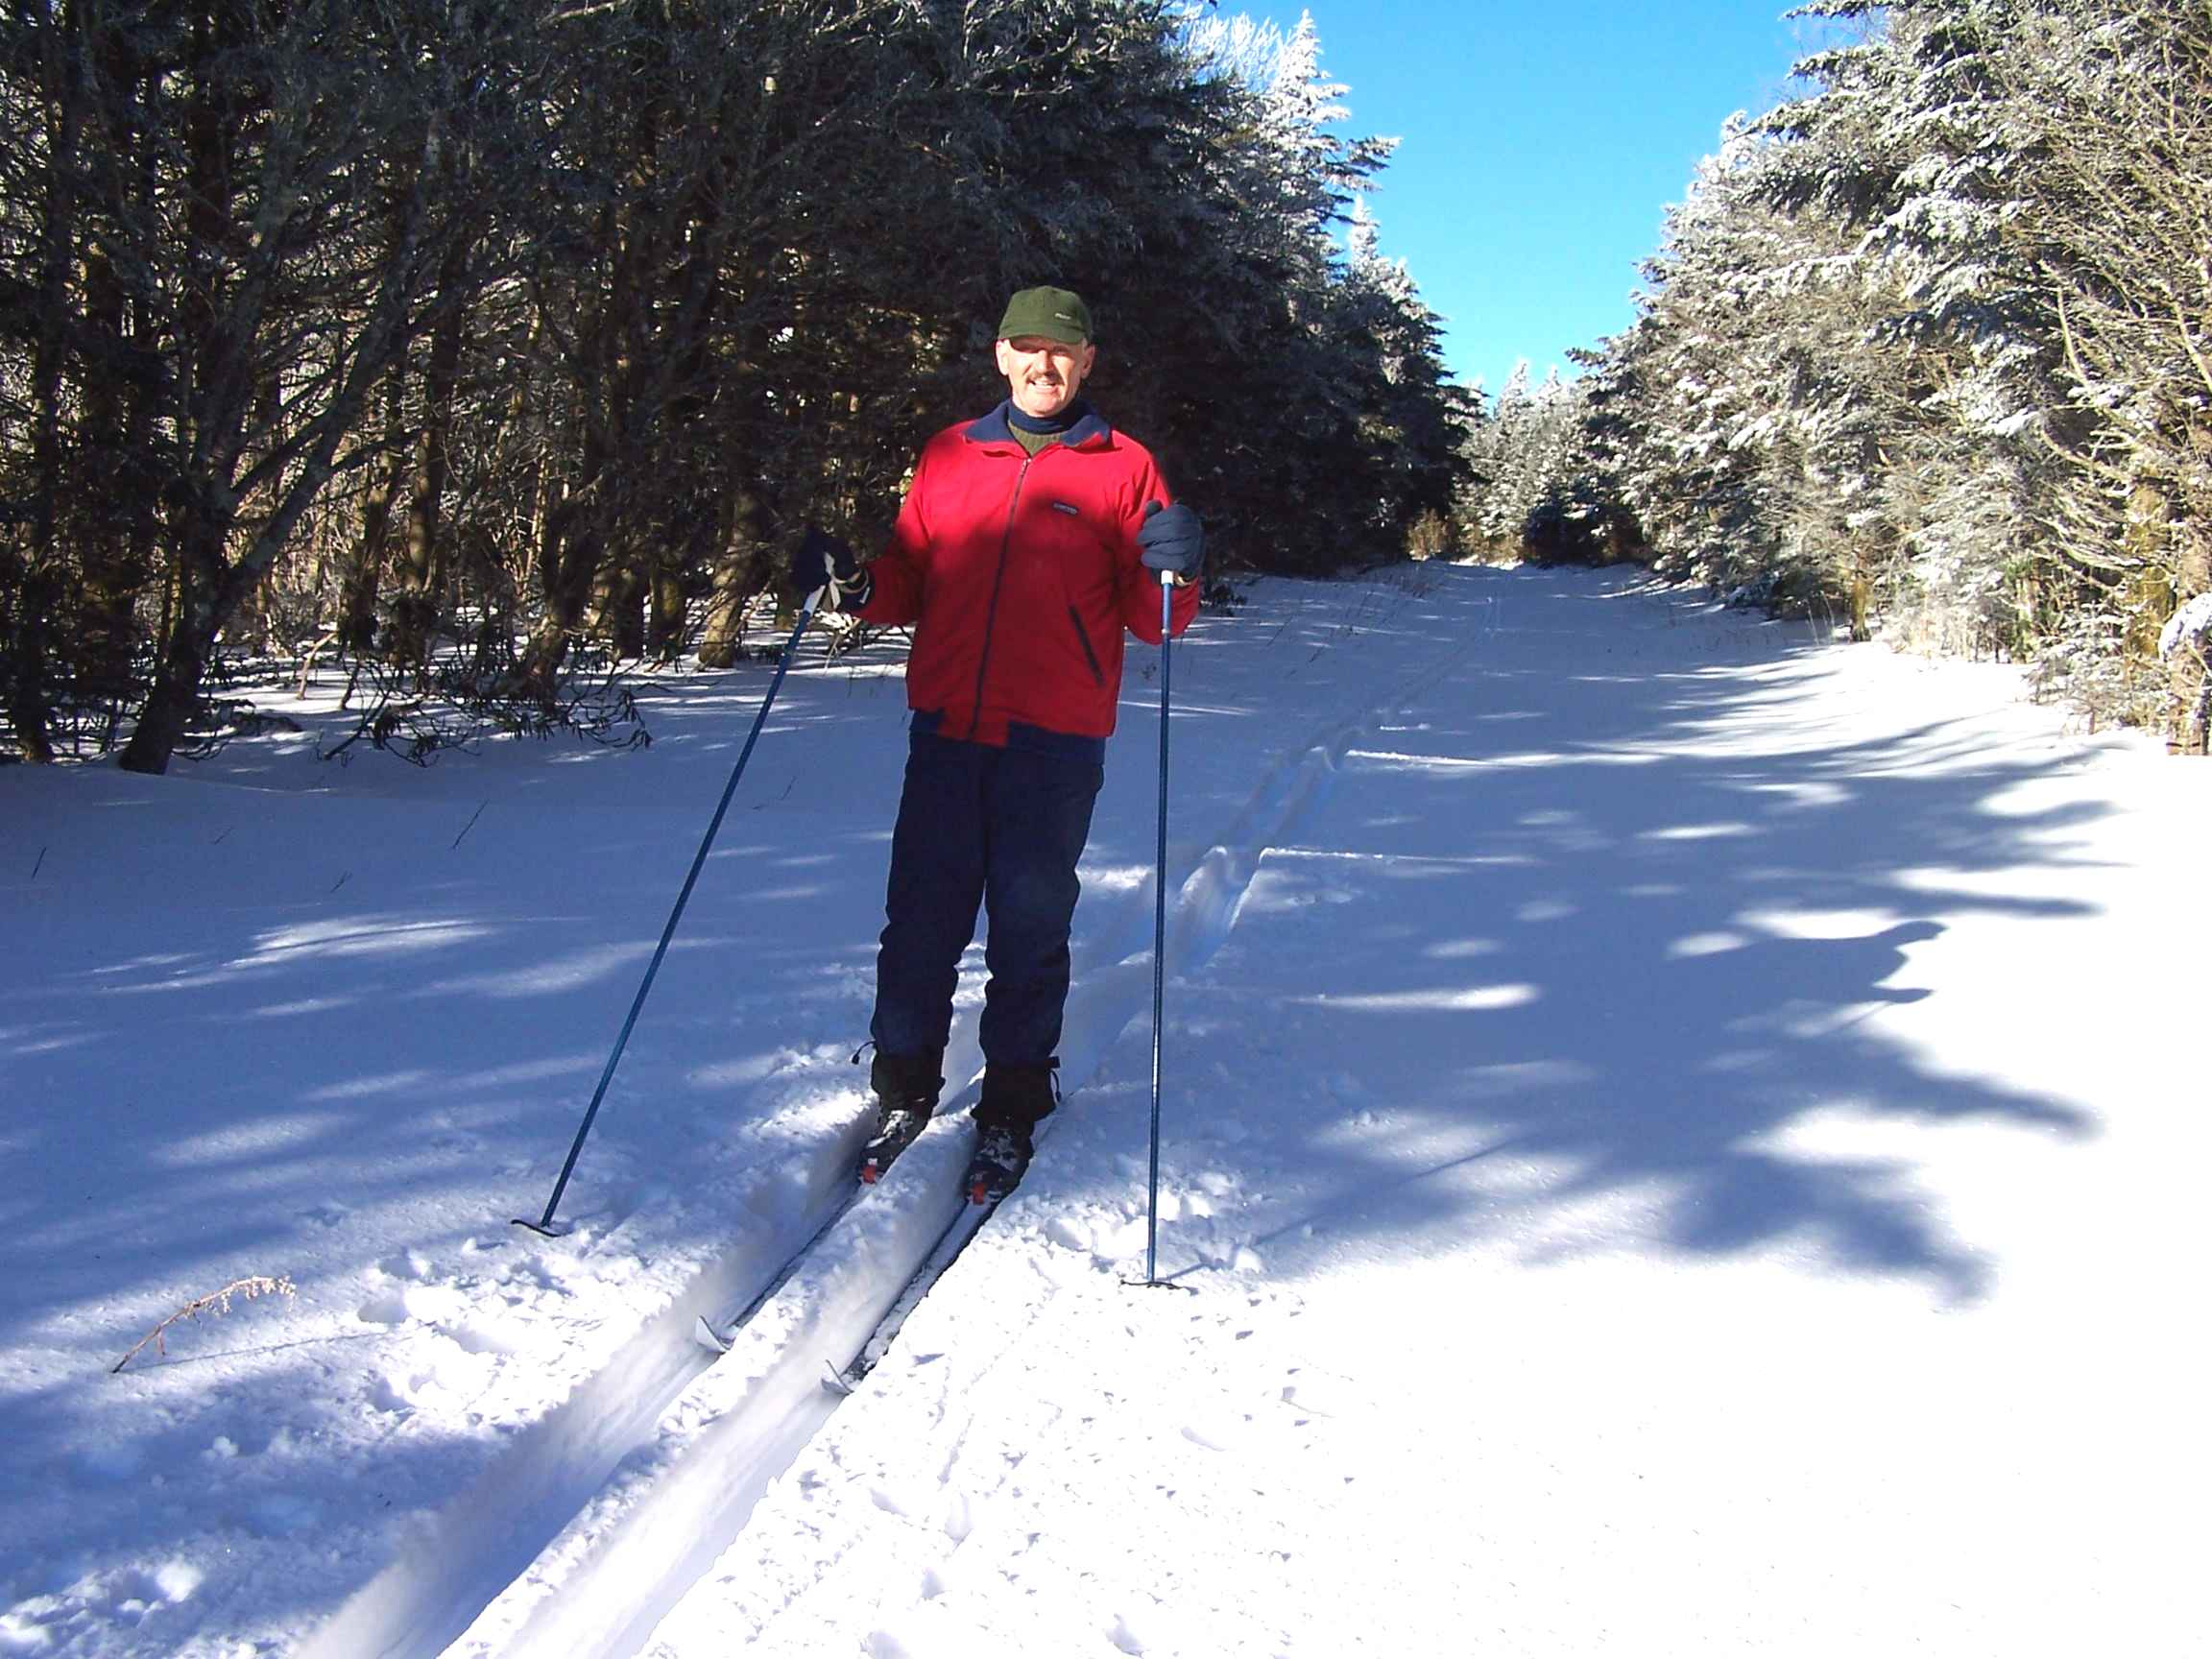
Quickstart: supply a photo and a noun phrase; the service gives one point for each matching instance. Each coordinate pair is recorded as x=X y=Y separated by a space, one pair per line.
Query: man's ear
x=998 y=356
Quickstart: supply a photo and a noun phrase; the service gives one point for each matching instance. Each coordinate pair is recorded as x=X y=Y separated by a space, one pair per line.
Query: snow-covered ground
x=1679 y=1139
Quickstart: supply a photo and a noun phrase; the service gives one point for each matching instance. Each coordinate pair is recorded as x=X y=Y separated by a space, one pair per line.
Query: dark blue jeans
x=978 y=826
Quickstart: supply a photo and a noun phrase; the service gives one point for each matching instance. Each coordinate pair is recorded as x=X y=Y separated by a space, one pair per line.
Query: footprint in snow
x=387 y=1309
x=485 y=1337
x=959 y=1518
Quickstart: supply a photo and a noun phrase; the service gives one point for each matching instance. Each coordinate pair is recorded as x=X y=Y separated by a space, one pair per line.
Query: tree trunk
x=211 y=394
x=31 y=641
x=737 y=579
x=116 y=531
x=619 y=607
x=423 y=562
x=664 y=627
x=365 y=570
x=166 y=715
x=565 y=568
x=29 y=713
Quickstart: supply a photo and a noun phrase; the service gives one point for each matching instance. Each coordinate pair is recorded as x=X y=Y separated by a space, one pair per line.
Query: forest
x=495 y=349
x=1925 y=352
x=486 y=346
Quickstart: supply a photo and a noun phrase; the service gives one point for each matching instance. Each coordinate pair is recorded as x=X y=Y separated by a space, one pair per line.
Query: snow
x=1678 y=1140
x=2189 y=625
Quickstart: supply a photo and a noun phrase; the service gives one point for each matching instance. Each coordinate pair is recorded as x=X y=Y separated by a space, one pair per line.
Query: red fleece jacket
x=1020 y=575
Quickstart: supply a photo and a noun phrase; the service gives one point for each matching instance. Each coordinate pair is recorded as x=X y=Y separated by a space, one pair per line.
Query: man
x=1029 y=542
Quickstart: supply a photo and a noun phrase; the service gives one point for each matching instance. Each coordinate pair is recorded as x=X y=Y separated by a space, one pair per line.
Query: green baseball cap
x=1046 y=314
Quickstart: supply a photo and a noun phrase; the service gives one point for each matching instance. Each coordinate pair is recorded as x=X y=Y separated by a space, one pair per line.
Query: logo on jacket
x=1067 y=507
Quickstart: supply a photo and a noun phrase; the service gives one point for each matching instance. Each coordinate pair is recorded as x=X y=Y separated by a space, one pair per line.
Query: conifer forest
x=1925 y=349
x=497 y=348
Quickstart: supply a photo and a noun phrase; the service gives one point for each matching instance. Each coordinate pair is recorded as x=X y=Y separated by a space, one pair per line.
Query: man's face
x=1044 y=374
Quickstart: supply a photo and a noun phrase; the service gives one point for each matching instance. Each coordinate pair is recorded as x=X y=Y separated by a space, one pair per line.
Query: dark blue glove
x=1171 y=540
x=828 y=563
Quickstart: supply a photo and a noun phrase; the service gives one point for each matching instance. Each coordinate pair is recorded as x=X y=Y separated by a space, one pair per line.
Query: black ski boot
x=907 y=1089
x=1013 y=1099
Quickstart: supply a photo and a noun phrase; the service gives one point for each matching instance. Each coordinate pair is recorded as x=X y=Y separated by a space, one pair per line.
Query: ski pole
x=1160 y=926
x=544 y=1223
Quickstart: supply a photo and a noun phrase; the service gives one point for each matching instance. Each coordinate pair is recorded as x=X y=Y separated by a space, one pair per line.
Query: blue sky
x=1541 y=145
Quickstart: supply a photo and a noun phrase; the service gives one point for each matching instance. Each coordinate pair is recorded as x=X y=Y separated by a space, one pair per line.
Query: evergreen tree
x=1924 y=343
x=465 y=336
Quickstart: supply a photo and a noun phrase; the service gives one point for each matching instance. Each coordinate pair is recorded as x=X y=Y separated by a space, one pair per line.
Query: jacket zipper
x=998 y=582
x=1097 y=674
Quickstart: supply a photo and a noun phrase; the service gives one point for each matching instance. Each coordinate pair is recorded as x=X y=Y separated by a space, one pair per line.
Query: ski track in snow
x=1667 y=1003
x=653 y=1468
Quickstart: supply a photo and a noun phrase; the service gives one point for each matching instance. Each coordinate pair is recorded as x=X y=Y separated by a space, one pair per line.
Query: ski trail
x=450 y=1563
x=637 y=1544
x=593 y=1525
x=634 y=1547
x=1205 y=907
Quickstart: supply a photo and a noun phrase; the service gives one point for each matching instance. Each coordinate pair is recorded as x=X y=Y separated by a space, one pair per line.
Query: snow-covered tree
x=1925 y=344
x=465 y=335
x=1529 y=495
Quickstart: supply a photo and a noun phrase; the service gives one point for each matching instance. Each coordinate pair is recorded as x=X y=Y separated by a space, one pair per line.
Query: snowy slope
x=1672 y=1145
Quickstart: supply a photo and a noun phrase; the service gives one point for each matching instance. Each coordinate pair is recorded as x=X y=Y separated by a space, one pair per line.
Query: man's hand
x=828 y=563
x=1171 y=540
